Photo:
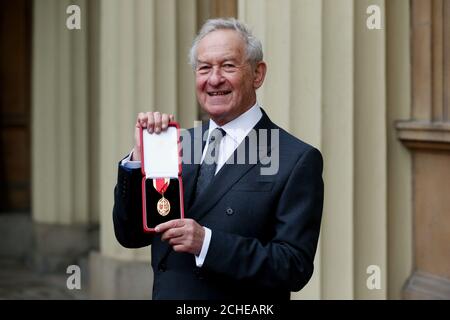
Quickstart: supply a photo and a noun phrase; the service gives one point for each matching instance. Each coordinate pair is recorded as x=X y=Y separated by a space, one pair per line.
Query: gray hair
x=253 y=45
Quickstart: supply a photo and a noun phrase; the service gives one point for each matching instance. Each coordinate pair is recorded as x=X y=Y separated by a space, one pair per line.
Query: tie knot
x=209 y=164
x=217 y=134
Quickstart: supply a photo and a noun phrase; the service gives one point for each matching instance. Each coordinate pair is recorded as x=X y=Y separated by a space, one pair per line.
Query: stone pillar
x=427 y=135
x=60 y=193
x=370 y=153
x=143 y=47
x=399 y=221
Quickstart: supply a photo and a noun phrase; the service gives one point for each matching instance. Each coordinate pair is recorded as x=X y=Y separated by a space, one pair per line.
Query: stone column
x=143 y=47
x=338 y=263
x=398 y=84
x=370 y=154
x=60 y=193
x=426 y=133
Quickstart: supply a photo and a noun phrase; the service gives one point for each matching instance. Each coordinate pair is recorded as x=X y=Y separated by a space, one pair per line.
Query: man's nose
x=215 y=77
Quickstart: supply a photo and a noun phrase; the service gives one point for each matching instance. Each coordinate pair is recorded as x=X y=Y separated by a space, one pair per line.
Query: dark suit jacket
x=265 y=228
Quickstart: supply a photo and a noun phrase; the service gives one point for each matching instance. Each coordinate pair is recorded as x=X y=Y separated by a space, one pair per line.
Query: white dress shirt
x=236 y=131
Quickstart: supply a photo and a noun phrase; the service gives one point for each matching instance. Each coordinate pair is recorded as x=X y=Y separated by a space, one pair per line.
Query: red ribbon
x=161 y=184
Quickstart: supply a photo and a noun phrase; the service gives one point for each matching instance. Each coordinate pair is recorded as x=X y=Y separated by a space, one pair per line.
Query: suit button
x=229 y=211
x=198 y=273
x=162 y=267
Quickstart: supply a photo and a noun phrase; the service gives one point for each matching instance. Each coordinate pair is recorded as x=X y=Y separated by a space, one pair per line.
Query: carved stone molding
x=422 y=285
x=424 y=134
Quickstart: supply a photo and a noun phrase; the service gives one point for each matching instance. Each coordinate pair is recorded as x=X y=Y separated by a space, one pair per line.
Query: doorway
x=15 y=97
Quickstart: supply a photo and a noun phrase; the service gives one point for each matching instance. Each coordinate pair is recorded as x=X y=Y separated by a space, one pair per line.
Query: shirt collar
x=238 y=128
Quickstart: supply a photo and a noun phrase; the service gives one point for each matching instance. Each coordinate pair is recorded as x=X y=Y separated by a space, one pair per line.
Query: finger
x=177 y=223
x=171 y=233
x=136 y=156
x=141 y=120
x=164 y=121
x=137 y=136
x=171 y=117
x=157 y=117
x=180 y=248
x=163 y=227
x=176 y=241
x=150 y=122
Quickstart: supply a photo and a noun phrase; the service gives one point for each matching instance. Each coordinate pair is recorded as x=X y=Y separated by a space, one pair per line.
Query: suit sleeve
x=287 y=260
x=127 y=211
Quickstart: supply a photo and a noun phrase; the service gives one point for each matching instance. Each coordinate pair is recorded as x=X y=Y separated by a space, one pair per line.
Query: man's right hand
x=153 y=122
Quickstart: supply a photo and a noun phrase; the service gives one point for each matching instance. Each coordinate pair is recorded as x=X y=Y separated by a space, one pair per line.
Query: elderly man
x=245 y=234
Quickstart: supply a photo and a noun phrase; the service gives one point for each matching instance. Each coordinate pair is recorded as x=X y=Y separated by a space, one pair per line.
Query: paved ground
x=18 y=282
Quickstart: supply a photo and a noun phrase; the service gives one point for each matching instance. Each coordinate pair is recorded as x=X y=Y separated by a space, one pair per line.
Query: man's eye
x=203 y=69
x=228 y=66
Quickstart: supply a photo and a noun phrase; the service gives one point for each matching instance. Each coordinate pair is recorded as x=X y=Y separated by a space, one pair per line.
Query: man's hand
x=153 y=122
x=184 y=235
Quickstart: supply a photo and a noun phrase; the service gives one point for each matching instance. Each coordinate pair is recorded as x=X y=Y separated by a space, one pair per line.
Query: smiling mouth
x=218 y=93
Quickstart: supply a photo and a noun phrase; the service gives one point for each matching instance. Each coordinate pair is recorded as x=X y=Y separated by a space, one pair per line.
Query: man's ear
x=259 y=74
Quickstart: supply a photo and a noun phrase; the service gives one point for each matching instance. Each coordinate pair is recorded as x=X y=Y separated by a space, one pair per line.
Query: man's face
x=225 y=81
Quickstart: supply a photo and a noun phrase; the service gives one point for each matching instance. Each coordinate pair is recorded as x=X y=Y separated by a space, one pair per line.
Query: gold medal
x=163 y=206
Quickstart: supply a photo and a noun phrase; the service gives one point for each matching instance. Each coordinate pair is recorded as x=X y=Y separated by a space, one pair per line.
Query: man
x=245 y=234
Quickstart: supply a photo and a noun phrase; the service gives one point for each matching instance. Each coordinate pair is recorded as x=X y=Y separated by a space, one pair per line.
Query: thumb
x=137 y=137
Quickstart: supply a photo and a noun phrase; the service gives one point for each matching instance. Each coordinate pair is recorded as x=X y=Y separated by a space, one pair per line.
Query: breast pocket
x=257 y=186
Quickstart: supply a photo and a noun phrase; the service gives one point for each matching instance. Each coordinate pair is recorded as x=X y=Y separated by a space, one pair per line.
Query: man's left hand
x=184 y=235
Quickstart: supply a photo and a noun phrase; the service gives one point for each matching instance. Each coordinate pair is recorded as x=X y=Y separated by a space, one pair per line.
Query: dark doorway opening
x=15 y=97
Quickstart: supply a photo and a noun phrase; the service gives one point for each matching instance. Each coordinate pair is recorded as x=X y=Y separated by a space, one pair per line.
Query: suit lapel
x=189 y=177
x=190 y=169
x=227 y=176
